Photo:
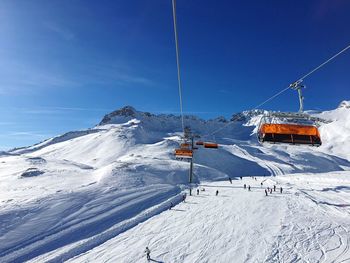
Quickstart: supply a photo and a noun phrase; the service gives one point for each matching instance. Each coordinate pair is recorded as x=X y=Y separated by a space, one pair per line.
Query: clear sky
x=65 y=63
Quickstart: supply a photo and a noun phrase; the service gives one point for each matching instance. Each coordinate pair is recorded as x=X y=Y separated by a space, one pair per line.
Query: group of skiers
x=274 y=189
x=184 y=196
x=267 y=191
x=203 y=190
x=245 y=187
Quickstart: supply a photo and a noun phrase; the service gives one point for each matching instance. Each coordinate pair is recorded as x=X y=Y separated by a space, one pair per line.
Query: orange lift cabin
x=183 y=153
x=290 y=130
x=199 y=143
x=288 y=127
x=211 y=145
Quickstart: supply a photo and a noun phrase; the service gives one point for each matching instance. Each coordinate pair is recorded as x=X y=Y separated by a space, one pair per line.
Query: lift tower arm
x=298 y=86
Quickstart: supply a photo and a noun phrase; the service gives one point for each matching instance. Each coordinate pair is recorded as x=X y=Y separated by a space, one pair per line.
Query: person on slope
x=148 y=253
x=217 y=192
x=244 y=186
x=265 y=192
x=281 y=189
x=274 y=188
x=171 y=205
x=184 y=198
x=261 y=184
x=230 y=180
x=271 y=191
x=197 y=191
x=248 y=187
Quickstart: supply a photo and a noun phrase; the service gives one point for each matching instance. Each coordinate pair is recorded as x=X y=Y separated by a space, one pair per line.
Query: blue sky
x=66 y=63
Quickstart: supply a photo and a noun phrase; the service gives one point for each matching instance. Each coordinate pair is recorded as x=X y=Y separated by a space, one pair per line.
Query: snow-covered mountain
x=336 y=134
x=71 y=193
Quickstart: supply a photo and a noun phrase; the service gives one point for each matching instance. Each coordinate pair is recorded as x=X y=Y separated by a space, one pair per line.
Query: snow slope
x=70 y=194
x=336 y=135
x=242 y=226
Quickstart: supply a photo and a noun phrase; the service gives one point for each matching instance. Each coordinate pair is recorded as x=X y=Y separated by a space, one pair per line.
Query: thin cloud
x=19 y=77
x=6 y=123
x=22 y=77
x=25 y=135
x=64 y=33
x=133 y=79
x=80 y=109
x=119 y=73
x=58 y=110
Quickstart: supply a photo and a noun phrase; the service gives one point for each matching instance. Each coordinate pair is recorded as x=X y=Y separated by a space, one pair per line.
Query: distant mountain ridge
x=243 y=127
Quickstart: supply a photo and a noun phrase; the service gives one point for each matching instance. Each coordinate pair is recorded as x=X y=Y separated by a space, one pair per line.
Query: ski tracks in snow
x=236 y=226
x=80 y=222
x=244 y=152
x=310 y=231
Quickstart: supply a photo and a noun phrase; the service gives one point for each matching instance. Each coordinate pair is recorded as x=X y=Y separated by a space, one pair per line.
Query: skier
x=244 y=186
x=171 y=205
x=268 y=189
x=248 y=187
x=240 y=177
x=230 y=180
x=184 y=198
x=217 y=192
x=265 y=192
x=271 y=191
x=197 y=191
x=281 y=189
x=261 y=184
x=148 y=254
x=274 y=188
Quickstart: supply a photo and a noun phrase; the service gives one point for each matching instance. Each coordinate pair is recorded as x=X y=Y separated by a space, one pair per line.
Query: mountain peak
x=344 y=104
x=127 y=111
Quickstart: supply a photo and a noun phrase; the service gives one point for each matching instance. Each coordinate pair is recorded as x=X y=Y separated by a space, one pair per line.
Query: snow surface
x=304 y=223
x=102 y=195
x=336 y=135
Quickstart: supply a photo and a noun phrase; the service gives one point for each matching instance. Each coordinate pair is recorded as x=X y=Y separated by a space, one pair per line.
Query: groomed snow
x=308 y=222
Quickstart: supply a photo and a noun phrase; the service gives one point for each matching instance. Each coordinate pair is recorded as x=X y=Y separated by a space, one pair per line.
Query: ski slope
x=81 y=195
x=308 y=222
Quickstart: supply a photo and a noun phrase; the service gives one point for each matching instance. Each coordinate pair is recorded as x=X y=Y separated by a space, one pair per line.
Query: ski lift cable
x=178 y=63
x=223 y=127
x=271 y=98
x=285 y=89
x=304 y=76
x=324 y=63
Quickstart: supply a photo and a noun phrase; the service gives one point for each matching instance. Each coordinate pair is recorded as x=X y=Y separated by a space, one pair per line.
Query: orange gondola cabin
x=292 y=129
x=211 y=145
x=183 y=153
